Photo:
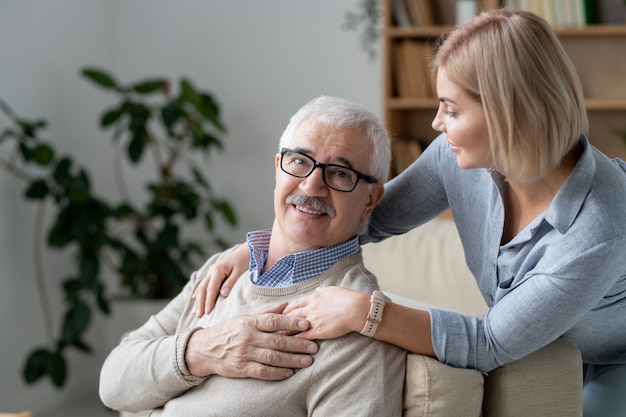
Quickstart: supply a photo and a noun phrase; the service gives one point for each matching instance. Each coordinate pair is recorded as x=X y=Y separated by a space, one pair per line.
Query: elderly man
x=245 y=358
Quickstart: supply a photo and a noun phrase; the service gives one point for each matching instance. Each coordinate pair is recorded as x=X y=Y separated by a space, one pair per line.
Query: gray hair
x=340 y=113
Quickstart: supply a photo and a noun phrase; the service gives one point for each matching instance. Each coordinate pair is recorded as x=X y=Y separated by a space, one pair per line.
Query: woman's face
x=463 y=120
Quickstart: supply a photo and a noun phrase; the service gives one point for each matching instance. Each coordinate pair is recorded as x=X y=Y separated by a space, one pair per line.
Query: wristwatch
x=375 y=315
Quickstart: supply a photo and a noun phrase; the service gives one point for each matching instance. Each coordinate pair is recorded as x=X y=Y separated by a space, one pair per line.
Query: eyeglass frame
x=359 y=176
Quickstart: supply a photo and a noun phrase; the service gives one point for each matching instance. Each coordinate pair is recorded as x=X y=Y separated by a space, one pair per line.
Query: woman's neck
x=524 y=201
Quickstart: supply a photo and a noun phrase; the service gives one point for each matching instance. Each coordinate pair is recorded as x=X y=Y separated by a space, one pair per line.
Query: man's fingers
x=282 y=359
x=279 y=322
x=280 y=344
x=266 y=372
x=274 y=310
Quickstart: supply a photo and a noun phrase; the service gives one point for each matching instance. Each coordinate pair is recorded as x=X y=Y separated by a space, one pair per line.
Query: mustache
x=313 y=202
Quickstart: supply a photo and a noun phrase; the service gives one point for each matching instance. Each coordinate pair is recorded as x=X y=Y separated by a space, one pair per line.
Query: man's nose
x=315 y=180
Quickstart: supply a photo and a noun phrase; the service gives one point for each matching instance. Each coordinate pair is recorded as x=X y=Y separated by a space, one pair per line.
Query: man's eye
x=342 y=173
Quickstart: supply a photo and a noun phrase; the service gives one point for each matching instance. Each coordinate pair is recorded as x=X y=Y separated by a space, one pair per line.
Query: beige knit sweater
x=351 y=376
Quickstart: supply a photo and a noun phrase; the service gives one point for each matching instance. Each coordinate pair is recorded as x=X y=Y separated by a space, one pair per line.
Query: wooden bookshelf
x=598 y=51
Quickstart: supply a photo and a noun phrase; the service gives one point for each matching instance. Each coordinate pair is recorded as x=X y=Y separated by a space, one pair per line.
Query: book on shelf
x=417 y=60
x=559 y=13
x=409 y=13
x=401 y=75
x=489 y=4
x=404 y=152
x=423 y=10
x=400 y=13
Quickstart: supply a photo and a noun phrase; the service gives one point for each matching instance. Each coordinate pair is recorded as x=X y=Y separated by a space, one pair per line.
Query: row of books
x=409 y=13
x=412 y=68
x=559 y=13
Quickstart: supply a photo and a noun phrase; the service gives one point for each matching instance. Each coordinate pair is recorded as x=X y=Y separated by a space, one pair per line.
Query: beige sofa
x=426 y=267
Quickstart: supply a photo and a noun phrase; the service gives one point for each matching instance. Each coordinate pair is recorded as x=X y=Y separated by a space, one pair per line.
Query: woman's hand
x=220 y=278
x=331 y=312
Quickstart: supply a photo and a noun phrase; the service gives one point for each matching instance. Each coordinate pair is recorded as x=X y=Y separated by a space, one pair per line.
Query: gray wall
x=261 y=59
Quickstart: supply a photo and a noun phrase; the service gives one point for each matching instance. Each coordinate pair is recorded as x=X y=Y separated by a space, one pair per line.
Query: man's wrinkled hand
x=251 y=346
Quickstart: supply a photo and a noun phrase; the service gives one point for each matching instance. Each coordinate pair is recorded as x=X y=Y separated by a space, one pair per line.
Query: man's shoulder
x=350 y=272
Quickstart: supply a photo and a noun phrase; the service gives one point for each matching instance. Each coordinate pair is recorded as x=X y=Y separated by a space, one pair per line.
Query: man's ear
x=377 y=190
x=277 y=165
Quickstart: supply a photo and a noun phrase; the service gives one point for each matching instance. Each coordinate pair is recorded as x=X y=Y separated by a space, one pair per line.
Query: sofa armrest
x=433 y=389
x=546 y=383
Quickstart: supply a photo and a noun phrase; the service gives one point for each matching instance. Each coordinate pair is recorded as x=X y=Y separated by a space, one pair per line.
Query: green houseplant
x=144 y=244
x=367 y=18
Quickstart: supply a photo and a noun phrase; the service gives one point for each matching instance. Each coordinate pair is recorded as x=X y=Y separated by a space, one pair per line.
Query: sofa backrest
x=426 y=266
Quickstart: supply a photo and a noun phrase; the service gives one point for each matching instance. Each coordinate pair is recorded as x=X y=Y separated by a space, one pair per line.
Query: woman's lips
x=454 y=148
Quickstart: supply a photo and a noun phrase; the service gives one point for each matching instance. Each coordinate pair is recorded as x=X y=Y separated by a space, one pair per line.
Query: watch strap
x=375 y=314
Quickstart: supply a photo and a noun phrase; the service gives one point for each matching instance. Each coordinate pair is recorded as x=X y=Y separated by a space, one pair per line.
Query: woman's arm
x=335 y=311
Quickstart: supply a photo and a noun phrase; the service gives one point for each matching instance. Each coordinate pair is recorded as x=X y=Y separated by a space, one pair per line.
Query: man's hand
x=251 y=346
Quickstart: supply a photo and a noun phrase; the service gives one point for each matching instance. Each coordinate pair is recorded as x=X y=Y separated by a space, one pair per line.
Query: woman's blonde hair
x=513 y=63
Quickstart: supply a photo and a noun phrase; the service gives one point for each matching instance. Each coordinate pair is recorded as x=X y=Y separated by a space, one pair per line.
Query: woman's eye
x=450 y=113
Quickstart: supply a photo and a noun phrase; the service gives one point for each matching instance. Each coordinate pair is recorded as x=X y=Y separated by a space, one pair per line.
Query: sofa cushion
x=426 y=264
x=434 y=389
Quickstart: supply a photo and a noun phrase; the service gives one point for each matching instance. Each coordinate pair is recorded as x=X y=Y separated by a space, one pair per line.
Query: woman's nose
x=438 y=123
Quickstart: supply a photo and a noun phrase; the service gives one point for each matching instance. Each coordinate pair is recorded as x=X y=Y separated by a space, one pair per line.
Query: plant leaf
x=101 y=300
x=43 y=154
x=228 y=212
x=208 y=221
x=100 y=77
x=89 y=268
x=111 y=116
x=188 y=92
x=37 y=190
x=149 y=86
x=82 y=346
x=57 y=368
x=72 y=287
x=136 y=147
x=35 y=366
x=76 y=321
x=61 y=172
x=172 y=113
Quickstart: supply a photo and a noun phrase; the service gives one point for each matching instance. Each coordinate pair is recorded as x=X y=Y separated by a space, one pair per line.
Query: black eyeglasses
x=337 y=177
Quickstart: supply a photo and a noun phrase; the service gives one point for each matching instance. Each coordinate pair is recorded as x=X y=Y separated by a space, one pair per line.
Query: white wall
x=261 y=59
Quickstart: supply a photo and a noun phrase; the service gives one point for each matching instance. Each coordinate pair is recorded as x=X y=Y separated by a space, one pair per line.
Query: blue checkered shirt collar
x=295 y=267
